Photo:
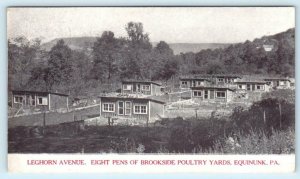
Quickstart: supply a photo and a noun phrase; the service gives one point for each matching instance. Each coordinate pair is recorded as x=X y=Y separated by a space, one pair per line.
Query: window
x=108 y=107
x=260 y=87
x=292 y=84
x=248 y=87
x=220 y=79
x=18 y=99
x=197 y=93
x=199 y=83
x=127 y=108
x=121 y=108
x=126 y=87
x=221 y=94
x=32 y=100
x=140 y=109
x=146 y=87
x=206 y=94
x=184 y=83
x=42 y=100
x=240 y=86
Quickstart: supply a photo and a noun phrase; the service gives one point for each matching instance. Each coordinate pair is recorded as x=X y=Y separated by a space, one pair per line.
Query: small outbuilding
x=279 y=83
x=141 y=87
x=253 y=85
x=212 y=94
x=131 y=109
x=39 y=100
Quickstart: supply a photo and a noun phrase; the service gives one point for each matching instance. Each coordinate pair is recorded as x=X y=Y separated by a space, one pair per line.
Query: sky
x=173 y=25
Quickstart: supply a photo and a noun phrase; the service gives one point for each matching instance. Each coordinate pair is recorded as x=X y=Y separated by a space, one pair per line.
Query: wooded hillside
x=104 y=63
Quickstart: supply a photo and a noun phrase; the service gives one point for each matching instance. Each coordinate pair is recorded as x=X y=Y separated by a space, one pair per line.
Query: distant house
x=141 y=87
x=207 y=80
x=225 y=79
x=130 y=109
x=268 y=48
x=188 y=82
x=39 y=100
x=279 y=83
x=212 y=94
x=252 y=85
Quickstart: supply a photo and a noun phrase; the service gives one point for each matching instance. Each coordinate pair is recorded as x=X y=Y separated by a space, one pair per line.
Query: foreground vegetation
x=264 y=128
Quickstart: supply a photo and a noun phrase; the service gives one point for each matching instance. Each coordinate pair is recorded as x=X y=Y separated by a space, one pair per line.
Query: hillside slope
x=82 y=43
x=274 y=54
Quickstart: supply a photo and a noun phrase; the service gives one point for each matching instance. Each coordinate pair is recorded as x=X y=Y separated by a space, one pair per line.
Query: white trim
x=149 y=114
x=146 y=89
x=18 y=96
x=197 y=93
x=108 y=107
x=126 y=89
x=100 y=107
x=206 y=90
x=140 y=109
x=130 y=103
x=119 y=108
x=220 y=92
x=42 y=104
x=49 y=101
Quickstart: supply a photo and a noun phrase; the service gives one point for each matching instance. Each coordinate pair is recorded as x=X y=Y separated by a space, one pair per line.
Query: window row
x=251 y=87
x=124 y=108
x=31 y=100
x=143 y=87
x=219 y=94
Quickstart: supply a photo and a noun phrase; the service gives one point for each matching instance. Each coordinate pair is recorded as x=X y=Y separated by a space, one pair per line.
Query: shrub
x=279 y=142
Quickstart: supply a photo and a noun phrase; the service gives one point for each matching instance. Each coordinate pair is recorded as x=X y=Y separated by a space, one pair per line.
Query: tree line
x=110 y=60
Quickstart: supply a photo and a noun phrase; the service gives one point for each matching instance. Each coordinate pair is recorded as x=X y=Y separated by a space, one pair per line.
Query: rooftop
x=131 y=96
x=140 y=81
x=212 y=87
x=45 y=92
x=284 y=79
x=251 y=81
x=207 y=76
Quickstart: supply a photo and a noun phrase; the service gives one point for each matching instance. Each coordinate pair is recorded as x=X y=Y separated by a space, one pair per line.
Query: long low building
x=253 y=85
x=212 y=94
x=39 y=100
x=137 y=109
x=140 y=87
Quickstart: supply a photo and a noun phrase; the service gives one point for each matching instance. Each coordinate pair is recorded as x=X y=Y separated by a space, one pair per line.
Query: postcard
x=151 y=89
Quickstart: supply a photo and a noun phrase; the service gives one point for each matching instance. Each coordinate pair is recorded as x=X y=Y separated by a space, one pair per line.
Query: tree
x=22 y=55
x=59 y=65
x=106 y=55
x=139 y=50
x=164 y=49
x=136 y=35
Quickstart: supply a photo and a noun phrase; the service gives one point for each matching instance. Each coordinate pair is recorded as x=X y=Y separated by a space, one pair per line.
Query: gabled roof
x=44 y=92
x=140 y=81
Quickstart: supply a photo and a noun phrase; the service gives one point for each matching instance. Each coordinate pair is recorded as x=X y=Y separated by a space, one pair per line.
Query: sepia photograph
x=151 y=80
